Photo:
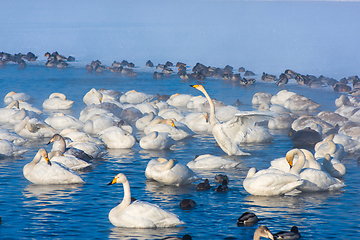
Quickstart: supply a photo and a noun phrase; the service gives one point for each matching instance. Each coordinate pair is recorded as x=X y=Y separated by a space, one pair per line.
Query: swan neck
x=126 y=199
x=296 y=168
x=332 y=147
x=212 y=117
x=168 y=165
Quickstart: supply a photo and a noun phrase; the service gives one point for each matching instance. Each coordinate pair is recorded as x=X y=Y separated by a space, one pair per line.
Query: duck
x=203 y=186
x=283 y=79
x=222 y=187
x=9 y=149
x=314 y=180
x=268 y=77
x=262 y=231
x=116 y=138
x=185 y=237
x=240 y=129
x=292 y=235
x=139 y=214
x=57 y=101
x=187 y=204
x=69 y=161
x=172 y=173
x=156 y=141
x=61 y=146
x=209 y=162
x=220 y=178
x=270 y=182
x=247 y=219
x=44 y=172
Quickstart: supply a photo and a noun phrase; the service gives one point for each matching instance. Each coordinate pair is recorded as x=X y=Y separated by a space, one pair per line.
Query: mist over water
x=311 y=37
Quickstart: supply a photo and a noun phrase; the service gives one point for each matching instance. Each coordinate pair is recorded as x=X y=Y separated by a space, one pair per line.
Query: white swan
x=283 y=165
x=11 y=96
x=134 y=97
x=44 y=172
x=7 y=112
x=151 y=164
x=78 y=136
x=335 y=150
x=226 y=113
x=57 y=101
x=240 y=129
x=115 y=137
x=314 y=180
x=209 y=162
x=92 y=97
x=167 y=126
x=332 y=166
x=60 y=121
x=12 y=137
x=281 y=97
x=195 y=102
x=169 y=173
x=300 y=103
x=139 y=214
x=270 y=182
x=69 y=161
x=281 y=121
x=198 y=122
x=156 y=141
x=261 y=97
x=98 y=123
x=60 y=144
x=179 y=100
x=33 y=128
x=9 y=149
x=143 y=121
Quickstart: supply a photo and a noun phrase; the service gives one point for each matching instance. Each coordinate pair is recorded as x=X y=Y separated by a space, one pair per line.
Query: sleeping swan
x=139 y=214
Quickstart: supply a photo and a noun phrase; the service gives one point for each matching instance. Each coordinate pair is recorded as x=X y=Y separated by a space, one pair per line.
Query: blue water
x=81 y=211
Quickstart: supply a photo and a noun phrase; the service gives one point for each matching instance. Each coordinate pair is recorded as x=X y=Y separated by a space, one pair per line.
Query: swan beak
x=112 y=182
x=194 y=86
x=48 y=160
x=290 y=161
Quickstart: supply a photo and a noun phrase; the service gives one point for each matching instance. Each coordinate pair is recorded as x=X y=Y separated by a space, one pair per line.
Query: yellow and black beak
x=290 y=161
x=48 y=160
x=112 y=182
x=194 y=86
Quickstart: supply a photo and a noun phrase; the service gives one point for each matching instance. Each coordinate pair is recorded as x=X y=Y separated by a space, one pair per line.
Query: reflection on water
x=142 y=234
x=50 y=193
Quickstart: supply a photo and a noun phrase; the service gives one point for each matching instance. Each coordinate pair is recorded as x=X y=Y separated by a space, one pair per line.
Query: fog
x=309 y=37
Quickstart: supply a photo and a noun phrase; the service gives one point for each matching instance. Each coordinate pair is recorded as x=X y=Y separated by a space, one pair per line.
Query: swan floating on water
x=240 y=129
x=40 y=171
x=57 y=101
x=139 y=214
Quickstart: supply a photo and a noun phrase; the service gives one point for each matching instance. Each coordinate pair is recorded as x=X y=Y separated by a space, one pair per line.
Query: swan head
x=161 y=160
x=290 y=155
x=263 y=231
x=44 y=154
x=120 y=178
x=198 y=87
x=55 y=137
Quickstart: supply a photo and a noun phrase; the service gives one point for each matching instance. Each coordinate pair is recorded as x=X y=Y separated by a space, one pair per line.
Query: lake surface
x=81 y=211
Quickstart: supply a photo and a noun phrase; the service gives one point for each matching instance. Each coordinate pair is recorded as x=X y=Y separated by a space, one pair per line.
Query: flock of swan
x=111 y=120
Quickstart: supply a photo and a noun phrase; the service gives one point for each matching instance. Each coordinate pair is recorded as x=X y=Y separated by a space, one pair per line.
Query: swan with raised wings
x=240 y=129
x=139 y=214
